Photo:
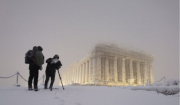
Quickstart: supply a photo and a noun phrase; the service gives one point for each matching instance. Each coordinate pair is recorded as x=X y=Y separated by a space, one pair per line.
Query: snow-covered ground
x=84 y=95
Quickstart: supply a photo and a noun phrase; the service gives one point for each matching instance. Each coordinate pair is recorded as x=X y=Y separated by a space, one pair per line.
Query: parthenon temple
x=112 y=66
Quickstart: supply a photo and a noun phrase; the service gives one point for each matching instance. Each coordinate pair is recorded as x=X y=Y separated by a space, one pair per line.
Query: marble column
x=67 y=79
x=99 y=68
x=86 y=72
x=64 y=79
x=123 y=71
x=80 y=79
x=73 y=73
x=71 y=76
x=89 y=77
x=78 y=74
x=94 y=69
x=151 y=74
x=83 y=73
x=107 y=69
x=138 y=72
x=131 y=68
x=115 y=70
x=145 y=73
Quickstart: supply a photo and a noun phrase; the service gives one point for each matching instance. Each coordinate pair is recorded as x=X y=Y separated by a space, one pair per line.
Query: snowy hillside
x=84 y=95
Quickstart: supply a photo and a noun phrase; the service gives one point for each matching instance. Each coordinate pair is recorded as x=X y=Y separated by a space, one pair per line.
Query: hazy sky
x=71 y=28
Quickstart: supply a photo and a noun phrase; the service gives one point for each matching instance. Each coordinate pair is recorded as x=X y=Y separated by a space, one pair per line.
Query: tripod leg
x=60 y=80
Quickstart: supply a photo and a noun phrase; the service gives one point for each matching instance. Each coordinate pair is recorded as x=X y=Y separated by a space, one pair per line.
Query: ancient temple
x=112 y=66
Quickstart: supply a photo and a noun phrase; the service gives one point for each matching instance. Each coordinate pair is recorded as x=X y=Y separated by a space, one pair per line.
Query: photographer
x=53 y=64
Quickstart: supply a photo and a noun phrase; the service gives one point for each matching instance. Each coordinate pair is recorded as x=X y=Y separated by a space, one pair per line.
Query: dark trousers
x=33 y=74
x=50 y=75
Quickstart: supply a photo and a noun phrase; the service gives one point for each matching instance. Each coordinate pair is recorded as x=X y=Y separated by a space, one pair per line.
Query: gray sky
x=71 y=28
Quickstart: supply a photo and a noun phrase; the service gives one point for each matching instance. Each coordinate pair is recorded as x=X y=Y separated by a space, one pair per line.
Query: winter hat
x=40 y=48
x=34 y=48
x=56 y=56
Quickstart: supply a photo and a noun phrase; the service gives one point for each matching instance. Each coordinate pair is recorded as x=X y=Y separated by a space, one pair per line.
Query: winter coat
x=51 y=67
x=32 y=63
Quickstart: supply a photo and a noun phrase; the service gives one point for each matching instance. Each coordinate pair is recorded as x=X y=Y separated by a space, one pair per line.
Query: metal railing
x=18 y=74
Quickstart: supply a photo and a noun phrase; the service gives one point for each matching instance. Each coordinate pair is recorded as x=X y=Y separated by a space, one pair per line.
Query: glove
x=54 y=61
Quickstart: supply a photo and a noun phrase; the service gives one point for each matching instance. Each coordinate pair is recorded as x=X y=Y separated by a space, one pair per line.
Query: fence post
x=17 y=85
x=17 y=77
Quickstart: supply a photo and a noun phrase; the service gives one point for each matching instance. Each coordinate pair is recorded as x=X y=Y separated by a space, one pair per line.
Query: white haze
x=72 y=28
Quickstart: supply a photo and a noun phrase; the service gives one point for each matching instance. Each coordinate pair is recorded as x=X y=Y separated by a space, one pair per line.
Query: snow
x=16 y=84
x=156 y=88
x=172 y=82
x=84 y=95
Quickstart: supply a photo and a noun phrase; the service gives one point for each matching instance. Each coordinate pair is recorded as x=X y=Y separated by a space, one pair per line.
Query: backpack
x=39 y=58
x=28 y=56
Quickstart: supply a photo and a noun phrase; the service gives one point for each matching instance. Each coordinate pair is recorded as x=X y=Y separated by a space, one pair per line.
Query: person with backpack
x=34 y=66
x=53 y=64
x=39 y=57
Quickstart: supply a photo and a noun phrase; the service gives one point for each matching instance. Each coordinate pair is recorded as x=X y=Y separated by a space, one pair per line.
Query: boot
x=30 y=89
x=50 y=88
x=36 y=89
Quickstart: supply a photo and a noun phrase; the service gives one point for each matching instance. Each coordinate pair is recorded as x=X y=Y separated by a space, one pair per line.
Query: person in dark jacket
x=53 y=64
x=39 y=48
x=33 y=71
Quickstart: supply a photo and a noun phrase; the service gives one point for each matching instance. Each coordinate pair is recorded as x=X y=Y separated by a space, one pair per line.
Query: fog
x=72 y=28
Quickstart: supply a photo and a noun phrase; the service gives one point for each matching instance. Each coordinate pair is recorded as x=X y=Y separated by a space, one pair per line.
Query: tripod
x=60 y=80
